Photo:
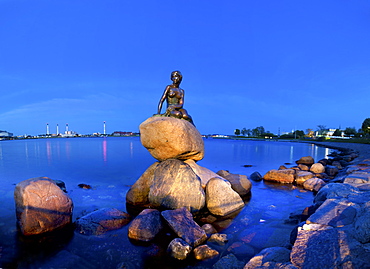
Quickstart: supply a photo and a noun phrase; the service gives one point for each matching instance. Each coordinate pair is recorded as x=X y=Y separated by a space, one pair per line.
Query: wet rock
x=331 y=171
x=274 y=257
x=101 y=221
x=335 y=212
x=84 y=186
x=138 y=194
x=182 y=223
x=362 y=227
x=145 y=226
x=203 y=173
x=171 y=138
x=358 y=177
x=334 y=190
x=256 y=176
x=308 y=160
x=209 y=229
x=204 y=252
x=302 y=176
x=219 y=239
x=303 y=167
x=337 y=165
x=179 y=249
x=314 y=184
x=228 y=262
x=221 y=199
x=175 y=185
x=281 y=176
x=239 y=183
x=41 y=206
x=282 y=167
x=317 y=168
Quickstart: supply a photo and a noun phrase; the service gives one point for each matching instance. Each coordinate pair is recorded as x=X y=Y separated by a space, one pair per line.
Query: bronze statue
x=174 y=96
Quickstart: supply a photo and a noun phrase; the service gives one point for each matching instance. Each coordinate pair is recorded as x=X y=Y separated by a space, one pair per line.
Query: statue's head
x=176 y=76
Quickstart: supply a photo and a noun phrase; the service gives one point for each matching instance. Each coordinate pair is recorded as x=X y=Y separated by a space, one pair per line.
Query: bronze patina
x=174 y=96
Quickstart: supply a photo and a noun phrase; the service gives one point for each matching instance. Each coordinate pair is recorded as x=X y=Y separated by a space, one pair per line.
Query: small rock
x=314 y=184
x=209 y=229
x=204 y=252
x=317 y=168
x=239 y=183
x=331 y=171
x=179 y=249
x=228 y=262
x=303 y=167
x=84 y=186
x=256 y=176
x=220 y=239
x=302 y=176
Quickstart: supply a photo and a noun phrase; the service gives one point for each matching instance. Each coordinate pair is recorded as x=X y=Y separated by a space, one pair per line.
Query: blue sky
x=279 y=64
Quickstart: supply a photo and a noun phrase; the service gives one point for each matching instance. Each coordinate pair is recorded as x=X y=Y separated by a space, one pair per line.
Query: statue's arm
x=162 y=99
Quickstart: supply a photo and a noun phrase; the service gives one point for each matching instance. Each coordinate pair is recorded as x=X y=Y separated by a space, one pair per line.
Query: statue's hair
x=176 y=71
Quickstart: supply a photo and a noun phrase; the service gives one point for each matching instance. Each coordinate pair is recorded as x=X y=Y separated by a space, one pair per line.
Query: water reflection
x=104 y=149
x=48 y=151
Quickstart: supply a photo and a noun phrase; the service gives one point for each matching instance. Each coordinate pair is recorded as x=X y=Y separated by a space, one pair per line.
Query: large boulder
x=146 y=225
x=182 y=223
x=203 y=173
x=221 y=198
x=171 y=138
x=41 y=206
x=239 y=183
x=102 y=221
x=139 y=192
x=314 y=184
x=175 y=185
x=317 y=168
x=281 y=176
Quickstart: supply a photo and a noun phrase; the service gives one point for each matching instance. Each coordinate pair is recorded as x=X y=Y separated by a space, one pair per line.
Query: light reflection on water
x=111 y=165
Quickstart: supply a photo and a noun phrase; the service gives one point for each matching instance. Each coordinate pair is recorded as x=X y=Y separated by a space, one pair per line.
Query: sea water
x=110 y=165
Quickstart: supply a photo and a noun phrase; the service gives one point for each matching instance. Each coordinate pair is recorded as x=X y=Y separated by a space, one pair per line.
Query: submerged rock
x=171 y=138
x=41 y=206
x=101 y=221
x=204 y=252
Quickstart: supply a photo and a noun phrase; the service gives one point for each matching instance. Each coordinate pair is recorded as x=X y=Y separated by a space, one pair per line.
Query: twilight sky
x=278 y=64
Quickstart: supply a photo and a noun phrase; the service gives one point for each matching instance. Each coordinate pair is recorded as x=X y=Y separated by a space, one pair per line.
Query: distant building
x=118 y=133
x=5 y=134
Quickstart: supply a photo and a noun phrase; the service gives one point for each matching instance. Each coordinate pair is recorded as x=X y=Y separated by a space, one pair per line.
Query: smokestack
x=47 y=129
x=57 y=129
x=66 y=128
x=104 y=128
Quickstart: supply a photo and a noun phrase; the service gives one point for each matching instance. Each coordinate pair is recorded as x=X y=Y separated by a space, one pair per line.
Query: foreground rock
x=179 y=249
x=41 y=206
x=101 y=221
x=171 y=138
x=274 y=257
x=175 y=185
x=182 y=223
x=145 y=226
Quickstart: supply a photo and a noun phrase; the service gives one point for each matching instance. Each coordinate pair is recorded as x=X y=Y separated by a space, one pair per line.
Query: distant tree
x=337 y=132
x=350 y=131
x=249 y=132
x=366 y=126
x=258 y=131
x=244 y=131
x=322 y=129
x=298 y=134
x=309 y=133
x=237 y=132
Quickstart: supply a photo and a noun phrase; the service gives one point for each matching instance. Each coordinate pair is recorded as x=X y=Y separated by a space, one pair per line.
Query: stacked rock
x=175 y=186
x=176 y=181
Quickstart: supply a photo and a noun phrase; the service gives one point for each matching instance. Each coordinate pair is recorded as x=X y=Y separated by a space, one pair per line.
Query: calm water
x=110 y=166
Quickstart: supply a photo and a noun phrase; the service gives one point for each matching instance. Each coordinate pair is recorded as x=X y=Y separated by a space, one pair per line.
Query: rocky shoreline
x=336 y=232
